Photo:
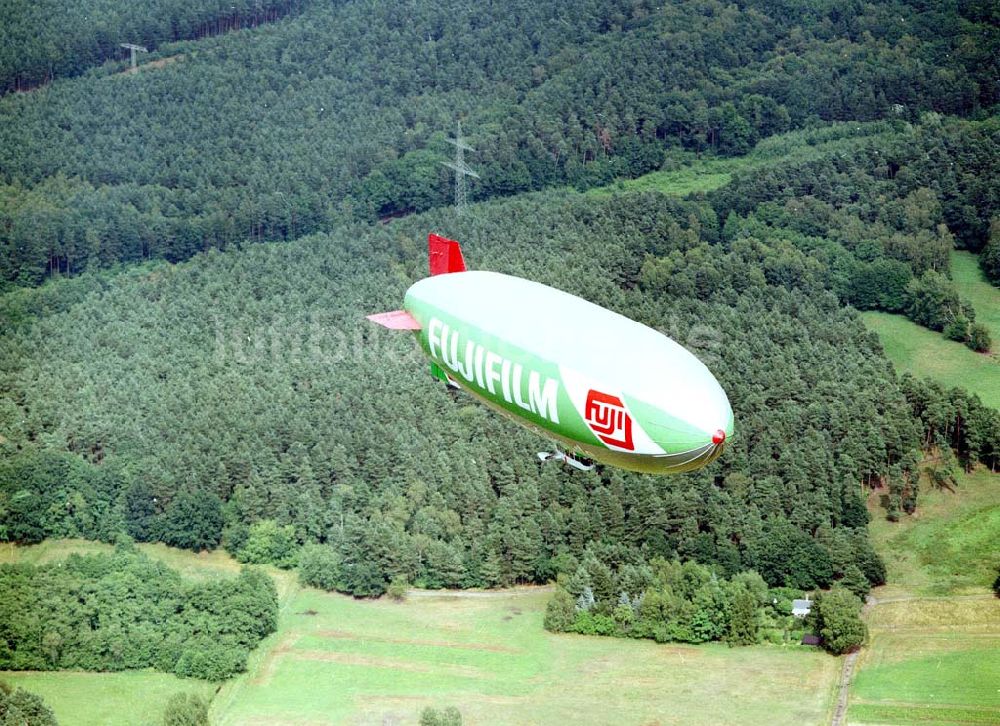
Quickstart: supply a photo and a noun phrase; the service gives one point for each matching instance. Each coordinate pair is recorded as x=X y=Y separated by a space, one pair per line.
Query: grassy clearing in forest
x=949 y=545
x=340 y=660
x=50 y=550
x=701 y=175
x=927 y=354
x=973 y=285
x=199 y=566
x=705 y=173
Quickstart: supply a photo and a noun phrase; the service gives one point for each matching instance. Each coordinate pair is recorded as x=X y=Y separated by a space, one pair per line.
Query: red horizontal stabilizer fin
x=395 y=320
x=445 y=255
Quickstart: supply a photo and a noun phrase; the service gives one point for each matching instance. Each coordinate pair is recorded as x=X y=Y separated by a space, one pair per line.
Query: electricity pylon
x=132 y=49
x=461 y=169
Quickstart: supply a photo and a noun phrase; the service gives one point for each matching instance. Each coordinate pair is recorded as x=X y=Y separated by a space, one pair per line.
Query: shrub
x=319 y=566
x=979 y=338
x=398 y=588
x=449 y=716
x=18 y=706
x=186 y=709
x=211 y=660
x=560 y=612
x=957 y=329
x=836 y=618
x=268 y=543
x=588 y=623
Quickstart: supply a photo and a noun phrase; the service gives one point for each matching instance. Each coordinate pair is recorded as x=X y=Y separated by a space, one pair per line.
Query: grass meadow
x=339 y=660
x=930 y=661
x=697 y=173
x=934 y=650
x=973 y=285
x=202 y=565
x=950 y=544
x=922 y=352
x=927 y=354
x=131 y=698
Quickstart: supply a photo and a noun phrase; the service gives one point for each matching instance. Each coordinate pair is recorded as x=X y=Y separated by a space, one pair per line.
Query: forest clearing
x=922 y=352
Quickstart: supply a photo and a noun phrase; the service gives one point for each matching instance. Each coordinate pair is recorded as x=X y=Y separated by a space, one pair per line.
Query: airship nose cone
x=718 y=437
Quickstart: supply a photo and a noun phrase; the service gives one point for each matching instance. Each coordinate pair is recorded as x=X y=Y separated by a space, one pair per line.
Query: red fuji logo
x=607 y=417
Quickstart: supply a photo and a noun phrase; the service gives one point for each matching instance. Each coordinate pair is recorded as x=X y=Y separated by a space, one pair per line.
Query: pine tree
x=492 y=570
x=855 y=581
x=742 y=629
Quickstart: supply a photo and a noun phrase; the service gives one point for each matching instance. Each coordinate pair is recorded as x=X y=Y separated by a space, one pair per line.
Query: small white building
x=801 y=608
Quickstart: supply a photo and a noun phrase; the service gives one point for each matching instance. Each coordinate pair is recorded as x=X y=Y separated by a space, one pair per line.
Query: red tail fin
x=445 y=255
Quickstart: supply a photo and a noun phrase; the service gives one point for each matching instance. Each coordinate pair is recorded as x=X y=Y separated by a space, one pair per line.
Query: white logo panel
x=608 y=416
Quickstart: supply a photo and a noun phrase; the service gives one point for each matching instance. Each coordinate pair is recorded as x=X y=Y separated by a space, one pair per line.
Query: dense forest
x=345 y=114
x=881 y=217
x=44 y=39
x=164 y=379
x=241 y=399
x=126 y=611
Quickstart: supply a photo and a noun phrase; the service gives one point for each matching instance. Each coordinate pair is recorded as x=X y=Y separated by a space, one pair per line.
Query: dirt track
x=847 y=673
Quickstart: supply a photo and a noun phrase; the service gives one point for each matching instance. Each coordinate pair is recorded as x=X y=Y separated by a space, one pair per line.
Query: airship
x=599 y=385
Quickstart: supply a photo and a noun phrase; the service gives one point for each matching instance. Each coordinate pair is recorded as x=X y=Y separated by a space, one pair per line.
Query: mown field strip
x=383 y=662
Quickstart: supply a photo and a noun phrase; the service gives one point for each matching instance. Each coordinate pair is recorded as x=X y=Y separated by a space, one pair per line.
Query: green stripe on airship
x=572 y=369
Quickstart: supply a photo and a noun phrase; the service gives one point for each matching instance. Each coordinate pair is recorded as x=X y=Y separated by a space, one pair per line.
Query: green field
x=699 y=175
x=133 y=698
x=924 y=353
x=335 y=659
x=934 y=652
x=340 y=660
x=973 y=285
x=50 y=550
x=949 y=546
x=930 y=661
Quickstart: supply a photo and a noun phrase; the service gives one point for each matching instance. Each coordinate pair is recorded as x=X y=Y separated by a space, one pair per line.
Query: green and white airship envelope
x=602 y=385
